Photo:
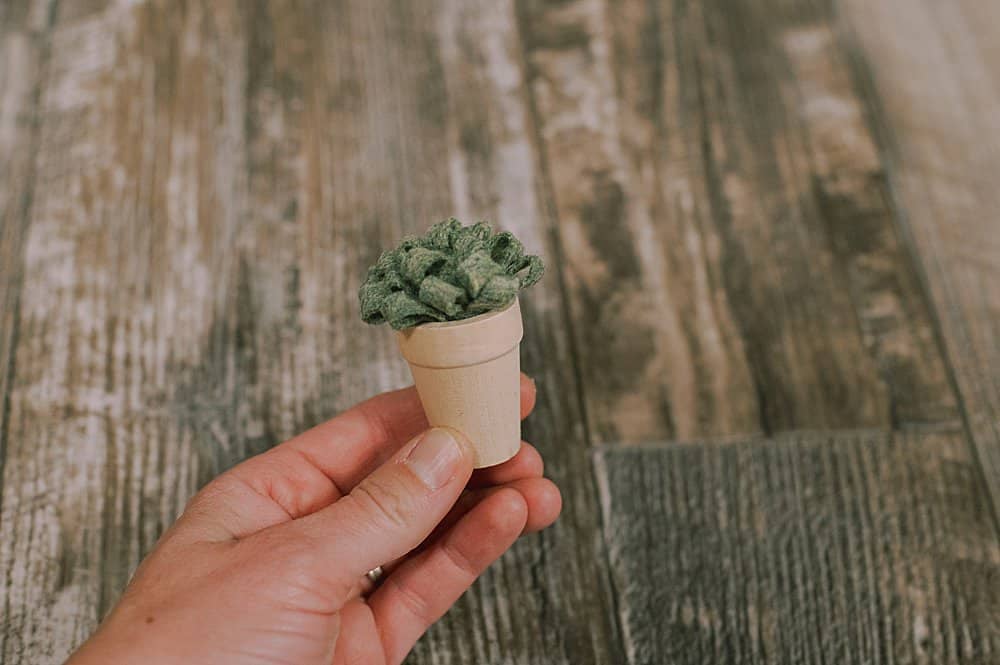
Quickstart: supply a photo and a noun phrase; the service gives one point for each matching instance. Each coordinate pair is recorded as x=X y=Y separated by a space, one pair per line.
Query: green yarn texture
x=450 y=273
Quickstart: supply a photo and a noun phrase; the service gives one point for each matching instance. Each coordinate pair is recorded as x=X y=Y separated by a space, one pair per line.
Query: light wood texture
x=789 y=202
x=23 y=57
x=128 y=242
x=854 y=547
x=717 y=187
x=468 y=376
x=217 y=177
x=942 y=137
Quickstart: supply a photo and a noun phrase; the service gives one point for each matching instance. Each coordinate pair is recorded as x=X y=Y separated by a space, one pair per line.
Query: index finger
x=352 y=445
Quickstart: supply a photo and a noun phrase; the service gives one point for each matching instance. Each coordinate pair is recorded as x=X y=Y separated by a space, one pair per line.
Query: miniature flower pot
x=468 y=375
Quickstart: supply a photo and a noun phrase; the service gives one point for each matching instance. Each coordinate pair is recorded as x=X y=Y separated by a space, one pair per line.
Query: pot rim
x=471 y=341
x=437 y=325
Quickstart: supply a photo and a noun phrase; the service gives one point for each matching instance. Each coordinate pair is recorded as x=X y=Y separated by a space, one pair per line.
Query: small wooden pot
x=468 y=375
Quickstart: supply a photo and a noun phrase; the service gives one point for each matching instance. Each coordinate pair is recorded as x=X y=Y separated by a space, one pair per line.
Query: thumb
x=393 y=510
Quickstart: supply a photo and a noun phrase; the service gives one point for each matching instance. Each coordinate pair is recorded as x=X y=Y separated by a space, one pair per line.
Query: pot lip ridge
x=479 y=318
x=462 y=343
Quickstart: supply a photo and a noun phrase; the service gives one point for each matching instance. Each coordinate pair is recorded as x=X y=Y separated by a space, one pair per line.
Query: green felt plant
x=450 y=273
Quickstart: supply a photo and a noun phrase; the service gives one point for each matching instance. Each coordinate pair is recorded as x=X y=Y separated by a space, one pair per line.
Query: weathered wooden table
x=768 y=347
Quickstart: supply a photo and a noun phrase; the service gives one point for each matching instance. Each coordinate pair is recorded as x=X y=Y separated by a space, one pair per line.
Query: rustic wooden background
x=768 y=347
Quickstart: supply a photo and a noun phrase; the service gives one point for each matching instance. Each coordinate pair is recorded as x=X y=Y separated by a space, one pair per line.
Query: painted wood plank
x=717 y=187
x=24 y=51
x=810 y=548
x=188 y=296
x=193 y=288
x=130 y=227
x=942 y=139
x=23 y=34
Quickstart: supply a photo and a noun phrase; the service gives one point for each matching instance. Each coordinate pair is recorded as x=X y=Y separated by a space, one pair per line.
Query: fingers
x=390 y=512
x=422 y=589
x=519 y=473
x=317 y=467
x=269 y=489
x=543 y=498
x=527 y=463
x=541 y=495
x=529 y=393
x=352 y=445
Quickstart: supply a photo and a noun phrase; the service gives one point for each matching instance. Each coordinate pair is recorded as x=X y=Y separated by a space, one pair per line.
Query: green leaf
x=420 y=262
x=443 y=296
x=475 y=270
x=404 y=311
x=450 y=273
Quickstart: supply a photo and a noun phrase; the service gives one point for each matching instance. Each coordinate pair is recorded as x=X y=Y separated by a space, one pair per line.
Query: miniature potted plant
x=451 y=295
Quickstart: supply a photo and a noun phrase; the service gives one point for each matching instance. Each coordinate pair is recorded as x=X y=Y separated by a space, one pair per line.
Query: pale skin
x=267 y=564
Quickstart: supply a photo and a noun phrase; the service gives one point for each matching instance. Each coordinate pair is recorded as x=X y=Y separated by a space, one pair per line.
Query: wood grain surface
x=23 y=56
x=795 y=224
x=717 y=186
x=941 y=134
x=853 y=547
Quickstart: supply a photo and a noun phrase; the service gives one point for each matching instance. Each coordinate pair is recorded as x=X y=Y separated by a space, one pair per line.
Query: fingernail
x=434 y=458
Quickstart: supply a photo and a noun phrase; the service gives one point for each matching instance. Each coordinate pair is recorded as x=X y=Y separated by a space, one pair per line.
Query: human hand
x=267 y=564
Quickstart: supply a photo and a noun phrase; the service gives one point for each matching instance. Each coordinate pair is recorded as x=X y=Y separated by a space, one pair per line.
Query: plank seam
x=783 y=436
x=600 y=470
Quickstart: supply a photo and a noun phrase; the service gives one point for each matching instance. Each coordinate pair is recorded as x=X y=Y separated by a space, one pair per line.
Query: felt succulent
x=450 y=273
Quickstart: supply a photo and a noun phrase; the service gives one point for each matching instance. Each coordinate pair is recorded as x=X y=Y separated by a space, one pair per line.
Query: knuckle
x=462 y=562
x=376 y=420
x=415 y=603
x=387 y=503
